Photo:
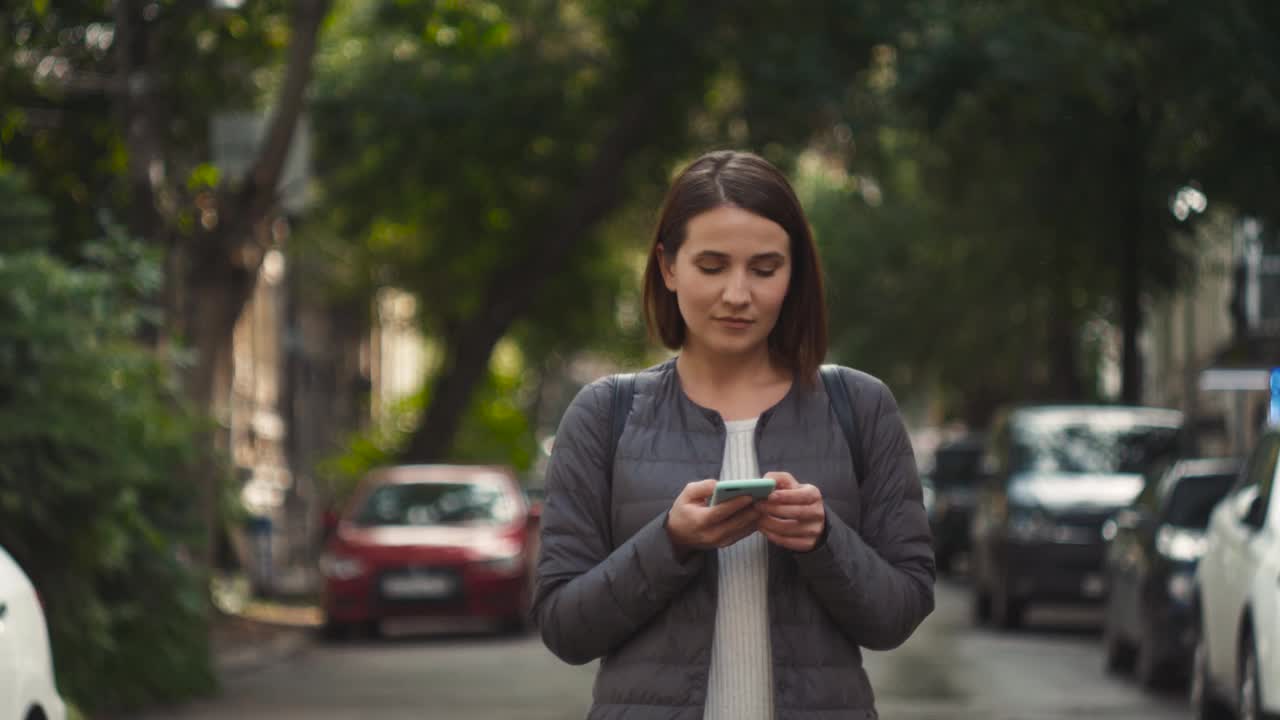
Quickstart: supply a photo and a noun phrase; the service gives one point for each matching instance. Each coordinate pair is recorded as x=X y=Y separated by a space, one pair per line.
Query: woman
x=743 y=609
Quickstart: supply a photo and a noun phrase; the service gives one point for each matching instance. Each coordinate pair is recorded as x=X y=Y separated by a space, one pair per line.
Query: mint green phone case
x=758 y=488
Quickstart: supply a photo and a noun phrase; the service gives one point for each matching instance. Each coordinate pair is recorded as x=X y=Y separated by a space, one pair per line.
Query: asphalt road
x=947 y=671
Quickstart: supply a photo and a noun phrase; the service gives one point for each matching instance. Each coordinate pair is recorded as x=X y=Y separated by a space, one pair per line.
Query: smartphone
x=758 y=488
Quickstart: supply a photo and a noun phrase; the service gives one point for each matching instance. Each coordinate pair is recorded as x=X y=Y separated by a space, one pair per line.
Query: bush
x=93 y=503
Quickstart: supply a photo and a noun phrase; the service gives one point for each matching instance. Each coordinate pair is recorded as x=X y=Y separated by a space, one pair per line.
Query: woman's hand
x=793 y=515
x=694 y=526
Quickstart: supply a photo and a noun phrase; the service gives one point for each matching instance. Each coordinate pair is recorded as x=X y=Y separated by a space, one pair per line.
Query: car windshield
x=436 y=504
x=1194 y=498
x=1090 y=448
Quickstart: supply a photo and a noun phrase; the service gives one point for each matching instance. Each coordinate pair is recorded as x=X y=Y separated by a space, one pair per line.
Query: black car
x=1055 y=474
x=1153 y=549
x=957 y=468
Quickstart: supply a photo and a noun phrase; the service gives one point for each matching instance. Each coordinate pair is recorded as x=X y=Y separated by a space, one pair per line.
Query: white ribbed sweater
x=741 y=682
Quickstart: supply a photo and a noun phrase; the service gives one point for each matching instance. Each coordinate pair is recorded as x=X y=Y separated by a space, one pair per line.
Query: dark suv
x=1054 y=475
x=957 y=468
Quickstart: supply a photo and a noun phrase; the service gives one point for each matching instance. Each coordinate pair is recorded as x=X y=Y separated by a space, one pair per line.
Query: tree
x=93 y=433
x=481 y=167
x=1047 y=141
x=113 y=102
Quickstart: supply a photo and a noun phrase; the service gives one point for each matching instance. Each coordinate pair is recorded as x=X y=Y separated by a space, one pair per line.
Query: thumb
x=785 y=480
x=699 y=491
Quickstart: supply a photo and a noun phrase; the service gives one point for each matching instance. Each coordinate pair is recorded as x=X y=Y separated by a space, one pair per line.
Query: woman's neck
x=737 y=387
x=722 y=371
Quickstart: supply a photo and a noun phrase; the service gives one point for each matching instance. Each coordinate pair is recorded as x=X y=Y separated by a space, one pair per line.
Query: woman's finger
x=802 y=495
x=803 y=513
x=790 y=528
x=791 y=543
x=783 y=480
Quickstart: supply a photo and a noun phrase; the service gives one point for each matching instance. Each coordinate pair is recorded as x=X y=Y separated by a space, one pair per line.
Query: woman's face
x=730 y=277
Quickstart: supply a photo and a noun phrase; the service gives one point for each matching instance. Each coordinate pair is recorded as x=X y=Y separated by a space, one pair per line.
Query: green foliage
x=1017 y=148
x=495 y=430
x=60 y=119
x=93 y=440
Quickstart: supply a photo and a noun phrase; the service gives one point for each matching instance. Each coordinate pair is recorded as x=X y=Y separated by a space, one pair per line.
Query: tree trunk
x=1064 y=365
x=1133 y=208
x=1064 y=335
x=1131 y=316
x=214 y=298
x=209 y=276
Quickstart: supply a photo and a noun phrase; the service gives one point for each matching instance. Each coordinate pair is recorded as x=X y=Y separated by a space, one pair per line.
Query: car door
x=11 y=584
x=1228 y=575
x=1262 y=563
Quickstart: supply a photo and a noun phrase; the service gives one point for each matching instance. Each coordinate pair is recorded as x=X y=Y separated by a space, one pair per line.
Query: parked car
x=1236 y=663
x=1153 y=547
x=441 y=541
x=27 y=687
x=957 y=468
x=1054 y=474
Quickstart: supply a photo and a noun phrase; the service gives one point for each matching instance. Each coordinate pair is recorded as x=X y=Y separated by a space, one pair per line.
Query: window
x=421 y=504
x=1087 y=448
x=1194 y=498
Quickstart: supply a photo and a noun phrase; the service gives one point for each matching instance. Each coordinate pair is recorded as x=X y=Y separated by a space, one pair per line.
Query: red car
x=440 y=541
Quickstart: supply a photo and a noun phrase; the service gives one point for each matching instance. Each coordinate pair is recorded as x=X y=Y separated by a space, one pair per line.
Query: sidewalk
x=261 y=633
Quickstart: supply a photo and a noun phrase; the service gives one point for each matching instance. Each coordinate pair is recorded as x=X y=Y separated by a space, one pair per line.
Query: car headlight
x=1180 y=543
x=341 y=567
x=504 y=564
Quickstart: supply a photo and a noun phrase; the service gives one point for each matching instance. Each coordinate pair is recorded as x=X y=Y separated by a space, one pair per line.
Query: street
x=947 y=671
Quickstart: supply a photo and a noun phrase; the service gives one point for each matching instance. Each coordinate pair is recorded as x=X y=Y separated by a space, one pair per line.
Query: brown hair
x=798 y=341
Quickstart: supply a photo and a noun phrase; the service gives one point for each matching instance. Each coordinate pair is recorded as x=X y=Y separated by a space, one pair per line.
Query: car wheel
x=981 y=606
x=1148 y=668
x=1117 y=655
x=1204 y=705
x=334 y=631
x=942 y=562
x=1007 y=612
x=1249 y=689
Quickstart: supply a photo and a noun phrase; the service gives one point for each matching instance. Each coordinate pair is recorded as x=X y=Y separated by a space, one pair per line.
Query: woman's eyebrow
x=717 y=255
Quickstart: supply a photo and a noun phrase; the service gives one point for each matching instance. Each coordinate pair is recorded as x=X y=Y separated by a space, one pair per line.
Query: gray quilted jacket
x=609 y=585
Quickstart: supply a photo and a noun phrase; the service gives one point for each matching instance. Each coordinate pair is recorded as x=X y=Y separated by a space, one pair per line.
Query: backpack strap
x=624 y=391
x=843 y=409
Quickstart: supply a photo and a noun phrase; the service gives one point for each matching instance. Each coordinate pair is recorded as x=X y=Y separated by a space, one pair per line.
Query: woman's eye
x=710 y=269
x=765 y=272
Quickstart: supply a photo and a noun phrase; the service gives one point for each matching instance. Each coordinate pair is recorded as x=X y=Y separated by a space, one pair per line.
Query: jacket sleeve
x=878 y=583
x=590 y=597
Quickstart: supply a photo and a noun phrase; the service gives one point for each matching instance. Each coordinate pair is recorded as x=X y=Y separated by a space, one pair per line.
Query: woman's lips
x=735 y=323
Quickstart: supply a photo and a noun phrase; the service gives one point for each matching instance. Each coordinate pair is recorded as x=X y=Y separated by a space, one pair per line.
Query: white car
x=27 y=689
x=1237 y=659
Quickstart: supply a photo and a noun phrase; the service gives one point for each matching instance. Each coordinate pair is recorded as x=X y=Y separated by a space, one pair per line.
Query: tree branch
x=258 y=192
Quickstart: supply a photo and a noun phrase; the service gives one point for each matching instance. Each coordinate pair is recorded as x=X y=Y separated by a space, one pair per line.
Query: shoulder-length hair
x=798 y=341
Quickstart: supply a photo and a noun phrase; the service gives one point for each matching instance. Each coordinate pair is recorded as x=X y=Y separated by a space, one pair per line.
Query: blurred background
x=251 y=250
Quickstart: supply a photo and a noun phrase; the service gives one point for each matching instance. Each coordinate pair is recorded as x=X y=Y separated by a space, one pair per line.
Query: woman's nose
x=737 y=291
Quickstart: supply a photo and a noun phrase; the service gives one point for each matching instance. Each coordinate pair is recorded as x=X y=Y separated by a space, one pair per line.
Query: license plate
x=418 y=586
x=1092 y=585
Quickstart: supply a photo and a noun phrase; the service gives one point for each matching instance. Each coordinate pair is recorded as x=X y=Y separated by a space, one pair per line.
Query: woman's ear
x=668 y=273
